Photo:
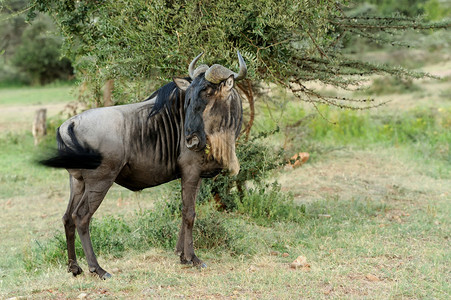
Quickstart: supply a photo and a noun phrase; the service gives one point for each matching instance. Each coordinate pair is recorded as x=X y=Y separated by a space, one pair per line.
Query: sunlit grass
x=56 y=93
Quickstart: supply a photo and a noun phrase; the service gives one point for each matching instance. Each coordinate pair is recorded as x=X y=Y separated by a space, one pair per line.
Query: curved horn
x=200 y=69
x=243 y=69
x=217 y=73
x=191 y=66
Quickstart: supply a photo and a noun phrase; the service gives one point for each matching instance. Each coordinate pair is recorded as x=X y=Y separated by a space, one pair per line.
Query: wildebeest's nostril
x=192 y=141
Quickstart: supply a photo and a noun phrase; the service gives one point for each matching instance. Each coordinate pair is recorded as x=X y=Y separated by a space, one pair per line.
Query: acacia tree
x=285 y=42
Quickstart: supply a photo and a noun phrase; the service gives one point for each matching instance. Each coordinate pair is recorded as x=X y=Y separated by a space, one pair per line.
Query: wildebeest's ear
x=229 y=83
x=182 y=83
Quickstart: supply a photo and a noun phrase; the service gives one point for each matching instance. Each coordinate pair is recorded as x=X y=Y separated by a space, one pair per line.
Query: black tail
x=73 y=160
x=76 y=157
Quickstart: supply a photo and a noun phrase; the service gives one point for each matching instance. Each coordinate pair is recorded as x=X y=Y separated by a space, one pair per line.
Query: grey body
x=137 y=151
x=149 y=143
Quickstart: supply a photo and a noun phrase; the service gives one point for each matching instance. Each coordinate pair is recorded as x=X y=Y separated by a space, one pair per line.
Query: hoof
x=193 y=263
x=184 y=261
x=100 y=272
x=201 y=266
x=198 y=263
x=74 y=268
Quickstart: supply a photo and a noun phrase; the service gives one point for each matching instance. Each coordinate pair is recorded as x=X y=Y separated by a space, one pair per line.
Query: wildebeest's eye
x=209 y=92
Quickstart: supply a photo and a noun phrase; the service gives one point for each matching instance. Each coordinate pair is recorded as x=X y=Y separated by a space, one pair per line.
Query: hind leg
x=76 y=192
x=94 y=193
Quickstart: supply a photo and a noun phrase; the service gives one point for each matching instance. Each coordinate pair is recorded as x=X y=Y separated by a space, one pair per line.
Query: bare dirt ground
x=373 y=174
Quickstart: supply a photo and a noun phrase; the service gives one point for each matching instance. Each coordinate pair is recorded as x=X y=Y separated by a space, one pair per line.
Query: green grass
x=423 y=134
x=56 y=93
x=19 y=175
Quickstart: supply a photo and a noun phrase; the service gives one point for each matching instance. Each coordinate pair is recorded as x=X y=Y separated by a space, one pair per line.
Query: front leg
x=190 y=188
x=179 y=249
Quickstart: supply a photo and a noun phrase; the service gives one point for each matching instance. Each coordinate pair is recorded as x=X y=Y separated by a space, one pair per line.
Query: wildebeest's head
x=213 y=111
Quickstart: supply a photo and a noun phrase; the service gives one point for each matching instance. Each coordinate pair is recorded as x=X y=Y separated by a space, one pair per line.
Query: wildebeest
x=149 y=143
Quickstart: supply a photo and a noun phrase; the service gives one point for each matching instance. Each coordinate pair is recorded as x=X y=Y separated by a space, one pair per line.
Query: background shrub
x=392 y=85
x=257 y=160
x=267 y=203
x=39 y=55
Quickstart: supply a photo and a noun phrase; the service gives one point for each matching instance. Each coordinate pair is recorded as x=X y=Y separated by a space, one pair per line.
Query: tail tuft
x=73 y=160
x=72 y=157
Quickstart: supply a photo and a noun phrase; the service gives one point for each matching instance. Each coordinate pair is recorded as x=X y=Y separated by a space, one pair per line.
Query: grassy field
x=376 y=197
x=19 y=104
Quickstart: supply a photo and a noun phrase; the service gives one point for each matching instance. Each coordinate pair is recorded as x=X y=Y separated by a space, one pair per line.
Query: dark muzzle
x=194 y=142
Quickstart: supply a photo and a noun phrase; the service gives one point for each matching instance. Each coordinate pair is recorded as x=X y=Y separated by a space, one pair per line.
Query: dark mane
x=166 y=95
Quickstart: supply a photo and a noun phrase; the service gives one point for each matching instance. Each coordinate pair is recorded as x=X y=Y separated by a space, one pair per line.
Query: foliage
x=423 y=133
x=213 y=231
x=391 y=85
x=418 y=125
x=39 y=54
x=111 y=235
x=12 y=25
x=10 y=76
x=159 y=227
x=284 y=42
x=31 y=53
x=433 y=9
x=266 y=204
x=257 y=160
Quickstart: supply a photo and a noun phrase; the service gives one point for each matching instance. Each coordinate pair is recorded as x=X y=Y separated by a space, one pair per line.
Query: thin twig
x=17 y=13
x=403 y=27
x=316 y=45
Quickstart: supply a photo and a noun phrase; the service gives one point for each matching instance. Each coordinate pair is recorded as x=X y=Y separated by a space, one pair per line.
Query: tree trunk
x=248 y=92
x=39 y=129
x=108 y=92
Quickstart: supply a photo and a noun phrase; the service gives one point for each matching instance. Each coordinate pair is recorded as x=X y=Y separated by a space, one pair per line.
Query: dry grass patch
x=376 y=174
